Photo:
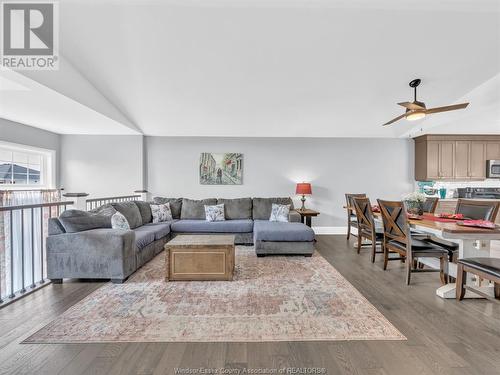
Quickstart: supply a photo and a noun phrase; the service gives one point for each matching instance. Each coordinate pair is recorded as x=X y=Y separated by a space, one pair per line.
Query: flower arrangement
x=415 y=203
x=415 y=197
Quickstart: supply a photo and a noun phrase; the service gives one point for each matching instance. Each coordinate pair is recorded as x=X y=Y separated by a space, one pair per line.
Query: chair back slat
x=364 y=214
x=478 y=210
x=430 y=205
x=394 y=219
x=349 y=196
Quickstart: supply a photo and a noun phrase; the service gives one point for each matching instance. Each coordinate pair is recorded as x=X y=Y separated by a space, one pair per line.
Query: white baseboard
x=330 y=230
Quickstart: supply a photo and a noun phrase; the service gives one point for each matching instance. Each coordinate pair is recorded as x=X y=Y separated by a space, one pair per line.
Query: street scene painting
x=221 y=168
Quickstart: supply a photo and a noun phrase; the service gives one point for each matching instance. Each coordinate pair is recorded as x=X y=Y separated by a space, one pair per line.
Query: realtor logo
x=30 y=35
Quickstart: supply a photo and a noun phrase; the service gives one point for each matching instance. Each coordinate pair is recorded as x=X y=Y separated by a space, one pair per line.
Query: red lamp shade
x=303 y=188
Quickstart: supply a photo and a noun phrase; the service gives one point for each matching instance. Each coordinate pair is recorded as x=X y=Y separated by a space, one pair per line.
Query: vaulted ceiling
x=279 y=68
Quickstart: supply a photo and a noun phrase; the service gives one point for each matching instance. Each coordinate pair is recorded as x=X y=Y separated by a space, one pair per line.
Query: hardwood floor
x=444 y=336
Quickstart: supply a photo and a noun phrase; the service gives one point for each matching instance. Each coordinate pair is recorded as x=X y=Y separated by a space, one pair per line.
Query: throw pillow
x=119 y=221
x=161 y=212
x=215 y=213
x=279 y=212
x=130 y=211
x=175 y=205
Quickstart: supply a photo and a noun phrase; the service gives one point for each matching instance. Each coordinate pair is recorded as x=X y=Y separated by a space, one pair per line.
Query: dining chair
x=352 y=220
x=484 y=268
x=366 y=225
x=478 y=210
x=430 y=205
x=471 y=209
x=398 y=239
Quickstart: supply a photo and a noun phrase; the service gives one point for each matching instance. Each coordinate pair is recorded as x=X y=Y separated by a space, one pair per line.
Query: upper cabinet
x=454 y=157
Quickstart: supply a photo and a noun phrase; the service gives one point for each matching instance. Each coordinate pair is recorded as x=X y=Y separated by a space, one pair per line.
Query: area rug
x=274 y=298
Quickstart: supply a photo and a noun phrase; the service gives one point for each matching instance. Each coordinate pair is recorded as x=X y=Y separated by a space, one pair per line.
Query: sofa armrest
x=294 y=217
x=97 y=253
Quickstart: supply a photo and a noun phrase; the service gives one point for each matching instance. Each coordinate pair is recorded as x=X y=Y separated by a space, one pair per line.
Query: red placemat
x=478 y=224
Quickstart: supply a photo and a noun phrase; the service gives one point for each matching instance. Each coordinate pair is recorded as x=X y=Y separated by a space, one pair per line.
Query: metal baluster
x=58 y=210
x=22 y=252
x=41 y=246
x=12 y=295
x=32 y=248
x=1 y=301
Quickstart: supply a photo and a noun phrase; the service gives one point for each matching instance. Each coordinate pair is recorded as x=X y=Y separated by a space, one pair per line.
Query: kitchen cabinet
x=462 y=155
x=447 y=159
x=470 y=160
x=492 y=150
x=454 y=157
x=477 y=160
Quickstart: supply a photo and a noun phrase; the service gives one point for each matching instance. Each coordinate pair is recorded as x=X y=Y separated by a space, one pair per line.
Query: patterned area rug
x=273 y=298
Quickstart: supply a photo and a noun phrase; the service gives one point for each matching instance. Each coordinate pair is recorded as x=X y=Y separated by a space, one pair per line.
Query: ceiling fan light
x=415 y=115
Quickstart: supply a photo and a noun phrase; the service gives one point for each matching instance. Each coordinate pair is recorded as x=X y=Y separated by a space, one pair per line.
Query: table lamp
x=303 y=188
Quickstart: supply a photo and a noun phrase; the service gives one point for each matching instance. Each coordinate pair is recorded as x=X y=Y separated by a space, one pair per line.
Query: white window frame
x=48 y=166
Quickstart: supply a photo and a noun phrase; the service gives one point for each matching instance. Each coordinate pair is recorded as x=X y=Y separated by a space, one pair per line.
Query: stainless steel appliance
x=493 y=169
x=479 y=193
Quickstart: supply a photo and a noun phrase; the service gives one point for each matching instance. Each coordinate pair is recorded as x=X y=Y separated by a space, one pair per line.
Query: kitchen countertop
x=474 y=199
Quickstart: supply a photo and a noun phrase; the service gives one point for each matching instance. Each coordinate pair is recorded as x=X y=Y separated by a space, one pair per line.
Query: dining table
x=472 y=242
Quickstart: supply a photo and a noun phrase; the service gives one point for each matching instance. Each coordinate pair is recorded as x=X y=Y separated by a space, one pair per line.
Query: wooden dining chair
x=366 y=225
x=484 y=268
x=398 y=239
x=430 y=205
x=352 y=220
x=478 y=210
x=471 y=209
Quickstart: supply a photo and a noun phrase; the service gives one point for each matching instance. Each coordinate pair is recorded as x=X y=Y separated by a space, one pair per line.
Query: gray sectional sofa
x=83 y=245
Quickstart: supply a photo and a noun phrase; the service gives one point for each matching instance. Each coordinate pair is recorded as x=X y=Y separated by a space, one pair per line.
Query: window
x=25 y=167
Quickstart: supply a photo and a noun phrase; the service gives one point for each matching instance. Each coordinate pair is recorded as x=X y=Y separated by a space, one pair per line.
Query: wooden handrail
x=25 y=190
x=37 y=205
x=110 y=198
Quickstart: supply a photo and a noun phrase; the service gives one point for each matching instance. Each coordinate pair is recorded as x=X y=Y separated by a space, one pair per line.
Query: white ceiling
x=279 y=68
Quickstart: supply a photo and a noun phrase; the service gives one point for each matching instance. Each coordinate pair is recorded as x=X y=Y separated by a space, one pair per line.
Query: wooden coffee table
x=199 y=257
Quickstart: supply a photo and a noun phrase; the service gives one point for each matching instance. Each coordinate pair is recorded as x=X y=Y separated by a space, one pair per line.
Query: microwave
x=493 y=169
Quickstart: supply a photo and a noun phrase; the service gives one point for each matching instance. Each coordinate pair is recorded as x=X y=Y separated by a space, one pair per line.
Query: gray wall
x=102 y=166
x=15 y=132
x=383 y=168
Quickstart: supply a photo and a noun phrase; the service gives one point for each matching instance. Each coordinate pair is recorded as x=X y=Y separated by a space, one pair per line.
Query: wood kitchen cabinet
x=492 y=150
x=454 y=157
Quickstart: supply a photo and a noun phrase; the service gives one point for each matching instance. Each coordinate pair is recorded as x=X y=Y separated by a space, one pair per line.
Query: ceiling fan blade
x=446 y=108
x=395 y=119
x=410 y=105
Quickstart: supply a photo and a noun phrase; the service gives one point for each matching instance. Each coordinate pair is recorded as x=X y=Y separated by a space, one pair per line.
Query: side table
x=306 y=215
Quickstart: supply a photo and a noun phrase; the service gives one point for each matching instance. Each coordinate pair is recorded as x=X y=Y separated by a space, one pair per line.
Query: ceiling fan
x=417 y=110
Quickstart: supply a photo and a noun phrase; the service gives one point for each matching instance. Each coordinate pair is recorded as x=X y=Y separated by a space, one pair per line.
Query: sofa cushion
x=203 y=226
x=144 y=236
x=104 y=210
x=160 y=229
x=262 y=206
x=239 y=208
x=175 y=205
x=77 y=221
x=195 y=209
x=130 y=211
x=145 y=210
x=265 y=230
x=55 y=226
